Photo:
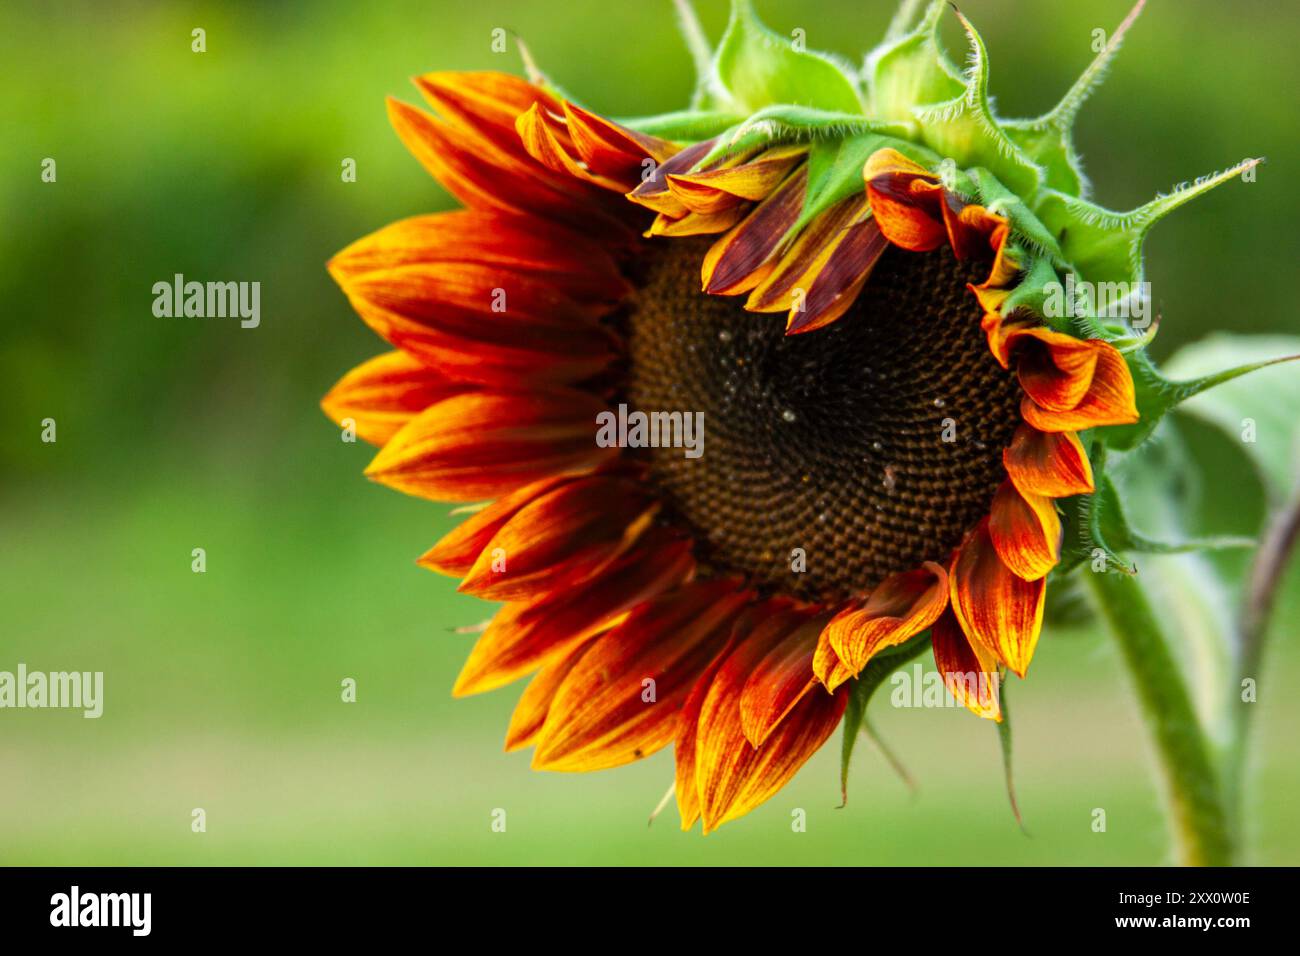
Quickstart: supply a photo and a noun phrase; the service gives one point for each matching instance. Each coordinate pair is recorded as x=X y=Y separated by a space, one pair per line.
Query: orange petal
x=486 y=103
x=684 y=778
x=543 y=135
x=994 y=606
x=900 y=607
x=487 y=444
x=1052 y=464
x=535 y=703
x=525 y=635
x=456 y=552
x=484 y=175
x=1055 y=370
x=621 y=702
x=969 y=671
x=580 y=268
x=739 y=260
x=733 y=775
x=1026 y=531
x=560 y=539
x=483 y=324
x=612 y=149
x=1110 y=400
x=383 y=394
x=781 y=678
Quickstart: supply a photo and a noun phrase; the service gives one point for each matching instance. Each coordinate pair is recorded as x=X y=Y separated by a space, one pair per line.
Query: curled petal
x=621 y=701
x=994 y=606
x=900 y=607
x=560 y=539
x=488 y=444
x=486 y=103
x=905 y=201
x=653 y=192
x=969 y=671
x=1026 y=531
x=1055 y=369
x=1052 y=464
x=383 y=394
x=1111 y=399
x=527 y=634
x=829 y=670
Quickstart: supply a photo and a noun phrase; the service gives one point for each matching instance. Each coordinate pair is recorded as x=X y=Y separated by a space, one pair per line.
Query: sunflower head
x=759 y=399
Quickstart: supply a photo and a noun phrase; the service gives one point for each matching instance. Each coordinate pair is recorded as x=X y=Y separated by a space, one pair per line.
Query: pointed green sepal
x=868 y=682
x=998 y=199
x=1156 y=395
x=964 y=129
x=1049 y=139
x=684 y=126
x=1106 y=246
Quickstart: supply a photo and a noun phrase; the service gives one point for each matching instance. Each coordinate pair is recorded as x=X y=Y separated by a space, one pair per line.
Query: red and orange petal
x=383 y=394
x=994 y=605
x=527 y=634
x=489 y=443
x=1052 y=464
x=899 y=608
x=621 y=701
x=578 y=267
x=1109 y=400
x=969 y=671
x=731 y=775
x=561 y=539
x=1026 y=531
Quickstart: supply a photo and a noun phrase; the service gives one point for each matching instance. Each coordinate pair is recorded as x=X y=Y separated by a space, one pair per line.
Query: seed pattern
x=832 y=441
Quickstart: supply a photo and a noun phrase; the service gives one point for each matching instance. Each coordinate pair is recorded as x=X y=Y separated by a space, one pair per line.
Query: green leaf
x=1263 y=408
x=759 y=68
x=873 y=675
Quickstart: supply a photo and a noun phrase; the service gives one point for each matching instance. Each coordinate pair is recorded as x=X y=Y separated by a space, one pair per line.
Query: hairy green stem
x=1193 y=790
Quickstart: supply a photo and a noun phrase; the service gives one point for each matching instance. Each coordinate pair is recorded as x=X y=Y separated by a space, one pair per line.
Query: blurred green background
x=222 y=689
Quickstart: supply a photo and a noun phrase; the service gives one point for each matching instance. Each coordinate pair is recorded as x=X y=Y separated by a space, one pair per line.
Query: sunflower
x=845 y=276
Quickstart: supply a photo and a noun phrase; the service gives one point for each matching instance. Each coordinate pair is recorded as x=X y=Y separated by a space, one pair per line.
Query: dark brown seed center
x=865 y=447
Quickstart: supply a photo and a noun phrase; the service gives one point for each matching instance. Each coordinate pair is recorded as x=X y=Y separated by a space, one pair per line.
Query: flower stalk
x=1193 y=788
